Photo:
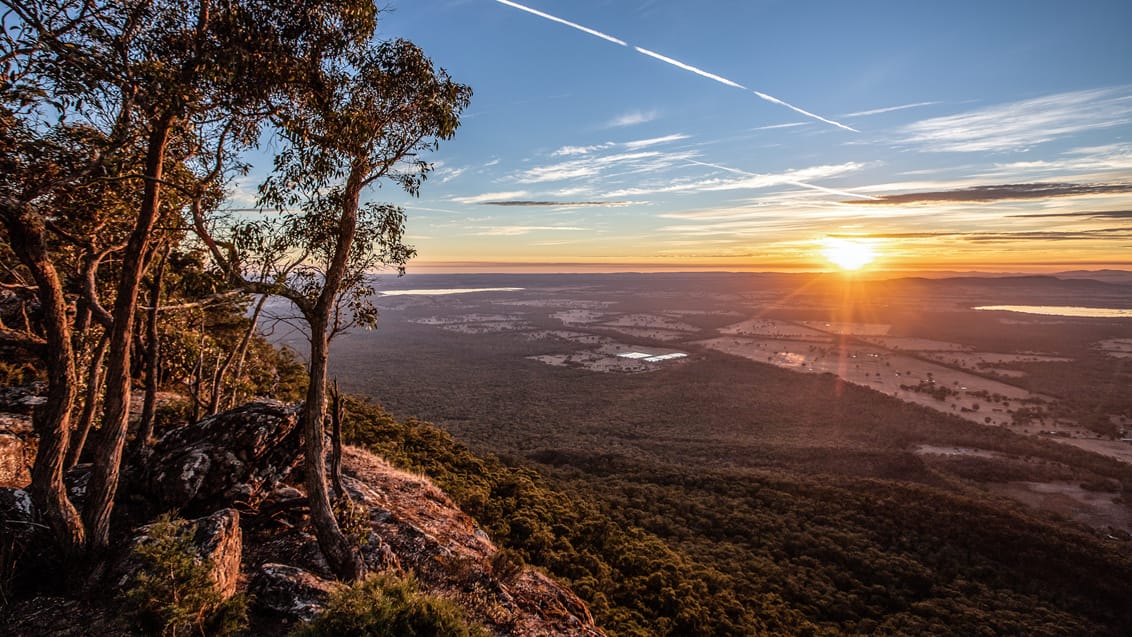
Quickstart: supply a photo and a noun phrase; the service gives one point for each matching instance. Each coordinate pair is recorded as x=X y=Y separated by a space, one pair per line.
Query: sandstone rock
x=289 y=592
x=217 y=542
x=235 y=456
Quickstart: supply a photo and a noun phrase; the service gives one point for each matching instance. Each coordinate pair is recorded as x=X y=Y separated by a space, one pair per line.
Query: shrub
x=387 y=606
x=173 y=593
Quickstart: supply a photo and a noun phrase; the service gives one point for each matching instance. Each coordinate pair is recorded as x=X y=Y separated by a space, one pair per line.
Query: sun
x=848 y=254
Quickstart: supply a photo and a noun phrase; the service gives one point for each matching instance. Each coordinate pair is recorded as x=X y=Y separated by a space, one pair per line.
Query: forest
x=123 y=126
x=665 y=548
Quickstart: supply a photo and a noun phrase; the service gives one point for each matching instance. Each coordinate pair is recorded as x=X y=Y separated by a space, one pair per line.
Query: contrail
x=688 y=67
x=775 y=100
x=572 y=25
x=676 y=63
x=792 y=182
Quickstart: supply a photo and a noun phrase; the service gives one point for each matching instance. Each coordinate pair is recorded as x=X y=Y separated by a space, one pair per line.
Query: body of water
x=1061 y=310
x=440 y=291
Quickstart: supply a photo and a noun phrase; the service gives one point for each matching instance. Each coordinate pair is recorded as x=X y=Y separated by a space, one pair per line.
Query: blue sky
x=986 y=135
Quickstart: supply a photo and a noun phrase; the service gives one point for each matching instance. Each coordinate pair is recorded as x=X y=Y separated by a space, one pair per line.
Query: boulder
x=235 y=456
x=290 y=593
x=217 y=542
x=22 y=399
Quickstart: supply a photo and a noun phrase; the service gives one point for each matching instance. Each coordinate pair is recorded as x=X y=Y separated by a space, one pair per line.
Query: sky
x=773 y=135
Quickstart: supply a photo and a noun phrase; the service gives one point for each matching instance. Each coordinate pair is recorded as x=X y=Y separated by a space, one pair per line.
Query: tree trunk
x=344 y=557
x=116 y=409
x=52 y=420
x=336 y=440
x=152 y=356
x=90 y=405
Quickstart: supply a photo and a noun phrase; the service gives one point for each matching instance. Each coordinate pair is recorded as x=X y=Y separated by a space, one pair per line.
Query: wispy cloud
x=569 y=151
x=778 y=126
x=1105 y=234
x=1083 y=214
x=794 y=178
x=1021 y=125
x=678 y=64
x=559 y=204
x=572 y=25
x=632 y=118
x=1002 y=192
x=889 y=109
x=748 y=181
x=514 y=231
x=645 y=143
x=489 y=196
x=590 y=166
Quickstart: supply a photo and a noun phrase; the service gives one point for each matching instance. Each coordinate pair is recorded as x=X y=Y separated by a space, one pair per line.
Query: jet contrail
x=676 y=63
x=775 y=100
x=688 y=67
x=792 y=182
x=572 y=25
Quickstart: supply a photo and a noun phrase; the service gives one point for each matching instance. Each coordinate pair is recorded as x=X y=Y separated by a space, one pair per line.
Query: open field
x=814 y=374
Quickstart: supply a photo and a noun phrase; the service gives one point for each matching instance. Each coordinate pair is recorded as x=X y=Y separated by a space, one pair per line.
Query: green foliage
x=666 y=549
x=352 y=518
x=386 y=606
x=173 y=593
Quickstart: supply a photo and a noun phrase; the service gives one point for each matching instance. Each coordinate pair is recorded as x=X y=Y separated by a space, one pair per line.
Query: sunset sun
x=848 y=254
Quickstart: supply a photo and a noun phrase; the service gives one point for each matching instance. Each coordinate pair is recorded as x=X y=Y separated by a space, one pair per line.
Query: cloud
x=645 y=143
x=748 y=181
x=983 y=194
x=889 y=109
x=514 y=231
x=489 y=196
x=1104 y=234
x=572 y=25
x=676 y=63
x=1020 y=125
x=777 y=126
x=795 y=178
x=568 y=151
x=589 y=166
x=632 y=118
x=448 y=174
x=563 y=204
x=1101 y=214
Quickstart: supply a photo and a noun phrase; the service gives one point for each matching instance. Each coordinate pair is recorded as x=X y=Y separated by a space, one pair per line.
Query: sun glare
x=848 y=254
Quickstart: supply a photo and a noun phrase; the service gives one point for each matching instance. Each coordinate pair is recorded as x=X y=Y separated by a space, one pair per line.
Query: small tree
x=364 y=119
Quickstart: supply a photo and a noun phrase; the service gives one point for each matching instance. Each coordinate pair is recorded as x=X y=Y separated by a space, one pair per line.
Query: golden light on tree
x=848 y=254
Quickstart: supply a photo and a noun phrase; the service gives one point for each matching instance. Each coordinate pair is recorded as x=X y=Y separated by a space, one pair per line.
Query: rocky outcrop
x=216 y=540
x=244 y=458
x=413 y=527
x=291 y=592
x=233 y=457
x=452 y=557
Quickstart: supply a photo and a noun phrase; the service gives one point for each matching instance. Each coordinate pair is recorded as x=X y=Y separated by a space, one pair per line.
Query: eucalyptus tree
x=151 y=76
x=365 y=119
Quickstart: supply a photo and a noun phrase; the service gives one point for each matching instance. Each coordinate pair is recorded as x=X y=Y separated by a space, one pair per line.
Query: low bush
x=387 y=606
